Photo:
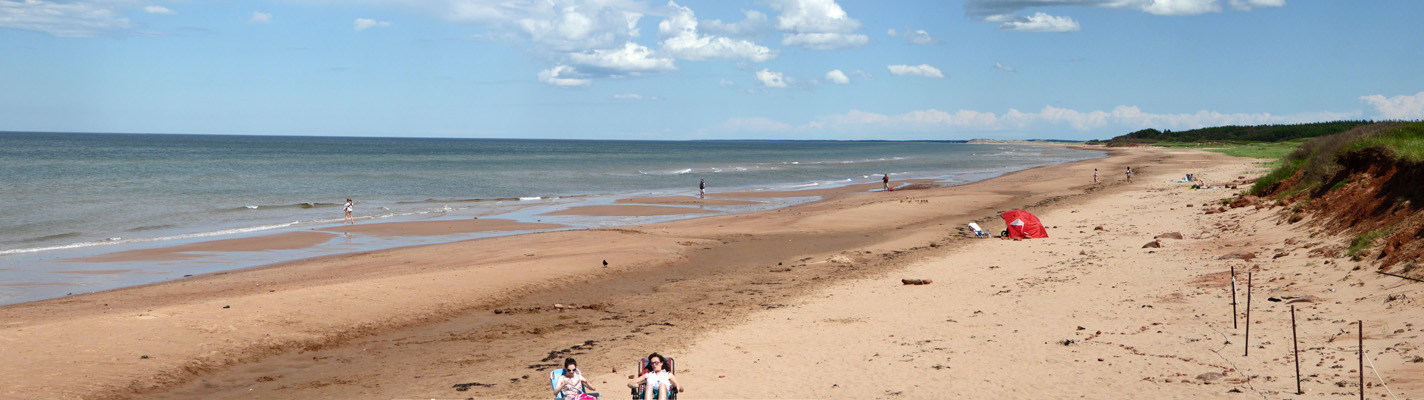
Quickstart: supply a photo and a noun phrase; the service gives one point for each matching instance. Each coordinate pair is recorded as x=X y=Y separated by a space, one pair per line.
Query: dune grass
x=1264 y=150
x=1407 y=142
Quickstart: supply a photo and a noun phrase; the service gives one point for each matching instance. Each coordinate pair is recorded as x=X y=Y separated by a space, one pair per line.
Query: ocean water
x=67 y=194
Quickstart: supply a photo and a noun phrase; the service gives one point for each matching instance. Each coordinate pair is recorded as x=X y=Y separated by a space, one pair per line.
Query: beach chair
x=554 y=382
x=978 y=232
x=643 y=368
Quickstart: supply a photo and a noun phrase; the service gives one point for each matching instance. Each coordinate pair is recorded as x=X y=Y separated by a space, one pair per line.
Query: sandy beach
x=797 y=302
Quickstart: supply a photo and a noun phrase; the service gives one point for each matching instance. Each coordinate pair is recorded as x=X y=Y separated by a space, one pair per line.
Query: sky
x=704 y=69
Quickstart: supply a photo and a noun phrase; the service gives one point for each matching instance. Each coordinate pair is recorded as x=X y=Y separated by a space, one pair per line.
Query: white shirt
x=658 y=379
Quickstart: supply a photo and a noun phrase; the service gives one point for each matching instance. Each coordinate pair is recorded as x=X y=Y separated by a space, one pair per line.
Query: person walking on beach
x=701 y=188
x=885 y=180
x=1095 y=175
x=1129 y=174
x=349 y=218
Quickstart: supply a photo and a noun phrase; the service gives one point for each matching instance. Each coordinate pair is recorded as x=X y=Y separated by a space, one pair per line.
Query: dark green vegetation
x=1233 y=134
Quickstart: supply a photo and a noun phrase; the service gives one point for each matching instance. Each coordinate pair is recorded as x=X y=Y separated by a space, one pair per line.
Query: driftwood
x=916 y=281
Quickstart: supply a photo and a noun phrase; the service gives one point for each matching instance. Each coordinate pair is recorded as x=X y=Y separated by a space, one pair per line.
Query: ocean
x=65 y=195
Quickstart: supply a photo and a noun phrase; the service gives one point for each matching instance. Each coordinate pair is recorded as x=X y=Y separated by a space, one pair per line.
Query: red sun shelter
x=1023 y=225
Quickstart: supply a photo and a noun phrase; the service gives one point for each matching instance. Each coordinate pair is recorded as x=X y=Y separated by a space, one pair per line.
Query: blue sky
x=697 y=69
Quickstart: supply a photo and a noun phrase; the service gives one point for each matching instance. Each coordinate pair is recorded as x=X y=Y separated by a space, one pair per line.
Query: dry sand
x=798 y=302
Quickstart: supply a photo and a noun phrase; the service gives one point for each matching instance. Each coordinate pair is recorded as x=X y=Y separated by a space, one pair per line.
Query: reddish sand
x=628 y=211
x=442 y=227
x=280 y=241
x=799 y=302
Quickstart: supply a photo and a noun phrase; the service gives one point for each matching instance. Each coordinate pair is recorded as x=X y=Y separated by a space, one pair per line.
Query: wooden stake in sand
x=1295 y=345
x=1248 y=314
x=1362 y=359
x=1233 y=298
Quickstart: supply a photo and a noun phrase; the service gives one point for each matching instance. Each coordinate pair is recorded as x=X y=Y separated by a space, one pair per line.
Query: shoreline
x=355 y=291
x=719 y=293
x=101 y=268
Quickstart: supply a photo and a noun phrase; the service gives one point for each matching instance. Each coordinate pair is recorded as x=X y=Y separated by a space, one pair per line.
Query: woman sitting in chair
x=659 y=379
x=570 y=385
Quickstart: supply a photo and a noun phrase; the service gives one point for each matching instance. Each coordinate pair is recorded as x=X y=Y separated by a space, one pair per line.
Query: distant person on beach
x=702 y=188
x=1095 y=175
x=1129 y=174
x=349 y=219
x=658 y=378
x=885 y=181
x=571 y=385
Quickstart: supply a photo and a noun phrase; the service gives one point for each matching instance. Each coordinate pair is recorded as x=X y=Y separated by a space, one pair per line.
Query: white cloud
x=1181 y=7
x=1248 y=5
x=1003 y=11
x=364 y=24
x=552 y=76
x=68 y=19
x=556 y=26
x=725 y=83
x=837 y=77
x=259 y=17
x=1041 y=22
x=825 y=40
x=1119 y=120
x=158 y=10
x=817 y=25
x=771 y=79
x=755 y=25
x=631 y=58
x=1002 y=67
x=918 y=36
x=924 y=70
x=1397 y=107
x=627 y=96
x=681 y=40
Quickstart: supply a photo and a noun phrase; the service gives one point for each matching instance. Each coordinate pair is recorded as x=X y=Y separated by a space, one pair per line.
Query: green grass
x=1363 y=242
x=1274 y=151
x=1264 y=150
x=1283 y=170
x=1407 y=142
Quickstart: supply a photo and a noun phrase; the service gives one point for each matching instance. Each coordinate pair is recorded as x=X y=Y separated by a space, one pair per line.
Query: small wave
x=119 y=240
x=248 y=207
x=148 y=228
x=530 y=198
x=52 y=237
x=673 y=172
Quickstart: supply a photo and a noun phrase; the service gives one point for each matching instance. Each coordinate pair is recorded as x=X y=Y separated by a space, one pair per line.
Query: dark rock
x=1243 y=201
x=1152 y=245
x=1210 y=376
x=1240 y=255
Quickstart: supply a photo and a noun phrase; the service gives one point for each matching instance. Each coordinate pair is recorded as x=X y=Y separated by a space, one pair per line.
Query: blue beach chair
x=554 y=382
